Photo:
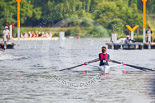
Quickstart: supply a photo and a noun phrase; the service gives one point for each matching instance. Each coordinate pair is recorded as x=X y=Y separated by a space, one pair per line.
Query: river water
x=30 y=74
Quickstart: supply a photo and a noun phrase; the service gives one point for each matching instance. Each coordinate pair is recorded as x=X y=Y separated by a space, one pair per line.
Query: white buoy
x=144 y=35
x=149 y=39
x=62 y=35
x=107 y=69
x=10 y=31
x=114 y=38
x=132 y=35
x=61 y=39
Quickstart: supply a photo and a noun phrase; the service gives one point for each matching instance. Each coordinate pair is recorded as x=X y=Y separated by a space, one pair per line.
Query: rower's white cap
x=6 y=27
x=127 y=36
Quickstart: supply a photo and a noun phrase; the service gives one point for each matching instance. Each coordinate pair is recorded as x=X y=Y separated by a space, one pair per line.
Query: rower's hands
x=97 y=59
x=86 y=63
x=110 y=60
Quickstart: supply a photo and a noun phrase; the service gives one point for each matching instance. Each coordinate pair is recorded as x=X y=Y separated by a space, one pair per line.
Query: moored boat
x=9 y=45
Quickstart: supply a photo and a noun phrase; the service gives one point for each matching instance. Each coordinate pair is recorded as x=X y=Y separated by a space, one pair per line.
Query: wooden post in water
x=113 y=31
x=149 y=40
x=11 y=31
x=114 y=38
x=61 y=39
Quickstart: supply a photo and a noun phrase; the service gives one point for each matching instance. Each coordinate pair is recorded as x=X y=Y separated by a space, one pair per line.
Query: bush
x=98 y=31
x=14 y=32
x=73 y=32
x=139 y=39
x=68 y=32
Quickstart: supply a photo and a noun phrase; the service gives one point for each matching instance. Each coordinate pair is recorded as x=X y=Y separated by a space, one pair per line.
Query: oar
x=137 y=67
x=92 y=61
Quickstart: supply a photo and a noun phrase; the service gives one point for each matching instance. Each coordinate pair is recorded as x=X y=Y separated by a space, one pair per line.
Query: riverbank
x=83 y=32
x=69 y=31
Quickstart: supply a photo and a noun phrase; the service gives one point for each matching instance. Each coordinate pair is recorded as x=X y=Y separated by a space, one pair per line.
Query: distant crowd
x=35 y=35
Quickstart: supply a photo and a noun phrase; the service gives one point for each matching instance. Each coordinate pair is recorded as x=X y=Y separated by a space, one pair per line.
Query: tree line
x=84 y=13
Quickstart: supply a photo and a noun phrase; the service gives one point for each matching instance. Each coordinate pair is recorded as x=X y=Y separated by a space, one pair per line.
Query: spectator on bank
x=33 y=35
x=147 y=34
x=46 y=35
x=39 y=34
x=25 y=35
x=43 y=35
x=36 y=35
x=30 y=35
x=50 y=35
x=21 y=35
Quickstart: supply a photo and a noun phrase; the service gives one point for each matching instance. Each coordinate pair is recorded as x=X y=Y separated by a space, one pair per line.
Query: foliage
x=78 y=13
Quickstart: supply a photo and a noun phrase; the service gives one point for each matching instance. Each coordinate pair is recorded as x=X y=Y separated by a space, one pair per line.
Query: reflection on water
x=30 y=74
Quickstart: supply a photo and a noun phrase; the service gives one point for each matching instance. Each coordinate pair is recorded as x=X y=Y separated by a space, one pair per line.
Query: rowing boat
x=104 y=69
x=113 y=61
x=107 y=69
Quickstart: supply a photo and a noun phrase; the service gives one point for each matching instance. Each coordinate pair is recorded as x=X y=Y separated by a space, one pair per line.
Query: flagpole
x=144 y=19
x=18 y=20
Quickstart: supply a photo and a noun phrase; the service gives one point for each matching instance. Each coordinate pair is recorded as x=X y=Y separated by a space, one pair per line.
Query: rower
x=5 y=36
x=104 y=58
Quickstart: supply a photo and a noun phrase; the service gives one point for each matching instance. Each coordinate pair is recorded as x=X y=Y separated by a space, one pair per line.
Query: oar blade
x=133 y=66
x=71 y=67
x=140 y=68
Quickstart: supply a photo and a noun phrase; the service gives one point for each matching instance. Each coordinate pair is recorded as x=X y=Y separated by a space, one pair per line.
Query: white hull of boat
x=105 y=69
